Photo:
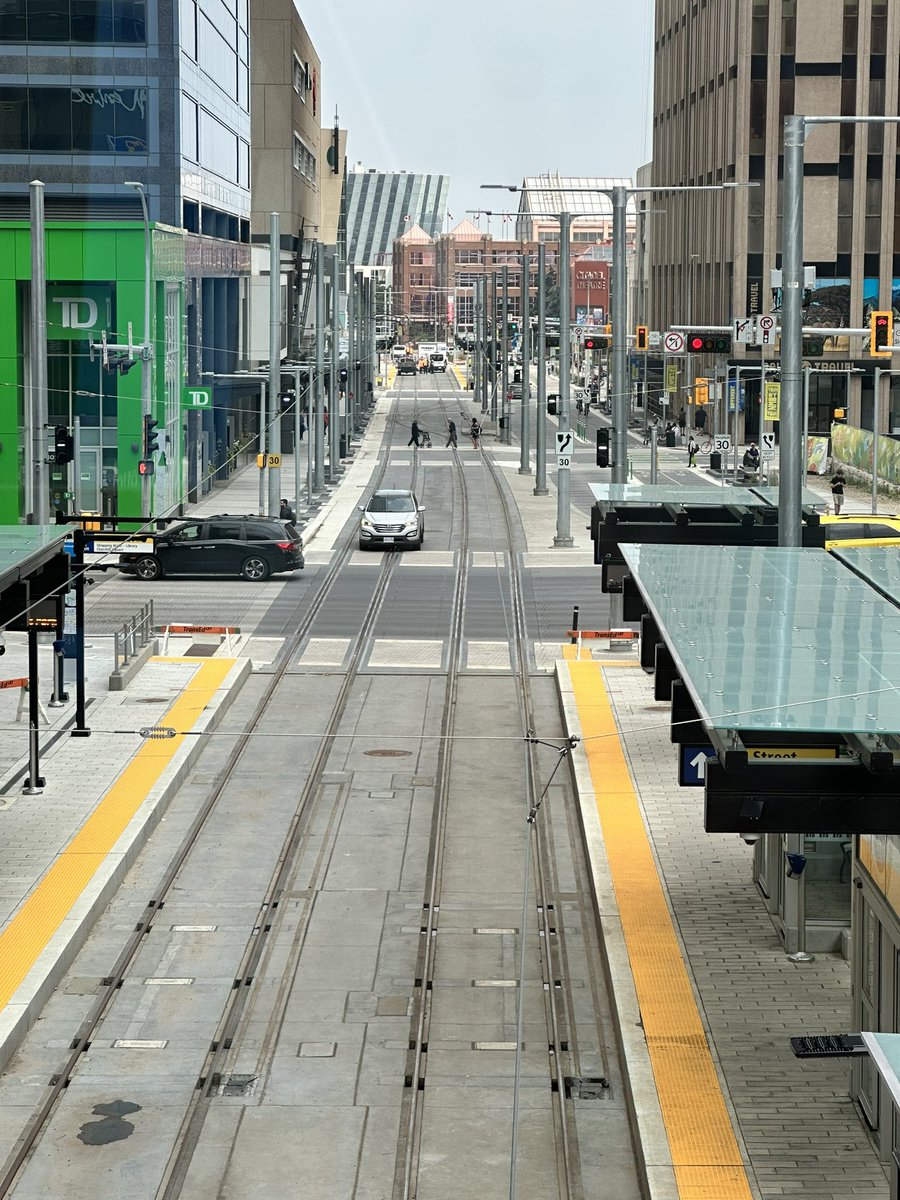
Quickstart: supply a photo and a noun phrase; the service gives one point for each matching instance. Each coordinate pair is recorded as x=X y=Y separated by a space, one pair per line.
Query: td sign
x=196 y=397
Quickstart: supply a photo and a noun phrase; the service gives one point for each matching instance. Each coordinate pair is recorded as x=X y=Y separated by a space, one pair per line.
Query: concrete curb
x=57 y=956
x=643 y=1100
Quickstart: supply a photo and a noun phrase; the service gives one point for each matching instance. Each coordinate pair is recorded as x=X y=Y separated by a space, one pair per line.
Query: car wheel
x=255 y=568
x=148 y=568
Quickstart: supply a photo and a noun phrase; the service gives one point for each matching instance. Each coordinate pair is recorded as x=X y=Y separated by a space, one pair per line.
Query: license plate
x=388 y=541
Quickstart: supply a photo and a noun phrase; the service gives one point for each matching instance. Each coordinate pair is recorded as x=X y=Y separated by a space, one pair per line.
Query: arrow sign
x=674 y=342
x=565 y=446
x=692 y=765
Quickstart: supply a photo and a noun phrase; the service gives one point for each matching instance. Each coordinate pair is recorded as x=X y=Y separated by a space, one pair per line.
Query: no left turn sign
x=674 y=342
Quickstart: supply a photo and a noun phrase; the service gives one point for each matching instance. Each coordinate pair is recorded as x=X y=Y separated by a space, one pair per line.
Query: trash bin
x=342 y=447
x=715 y=461
x=502 y=422
x=670 y=439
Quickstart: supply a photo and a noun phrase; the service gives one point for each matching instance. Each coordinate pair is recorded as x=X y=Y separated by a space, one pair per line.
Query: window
x=416 y=258
x=218 y=147
x=93 y=120
x=468 y=256
x=300 y=77
x=189 y=128
x=222 y=531
x=466 y=278
x=304 y=160
x=188 y=11
x=186 y=533
x=104 y=21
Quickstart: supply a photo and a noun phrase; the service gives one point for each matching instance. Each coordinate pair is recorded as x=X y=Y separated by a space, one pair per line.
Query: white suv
x=392 y=518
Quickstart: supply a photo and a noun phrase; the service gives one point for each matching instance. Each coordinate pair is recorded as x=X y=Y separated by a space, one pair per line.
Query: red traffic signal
x=145 y=467
x=709 y=343
x=591 y=343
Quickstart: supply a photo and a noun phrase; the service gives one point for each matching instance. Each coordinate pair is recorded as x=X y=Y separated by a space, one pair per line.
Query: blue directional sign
x=692 y=764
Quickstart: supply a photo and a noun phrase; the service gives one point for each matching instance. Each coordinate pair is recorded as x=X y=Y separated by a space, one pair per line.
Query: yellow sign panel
x=273 y=460
x=672 y=377
x=788 y=753
x=701 y=391
x=772 y=402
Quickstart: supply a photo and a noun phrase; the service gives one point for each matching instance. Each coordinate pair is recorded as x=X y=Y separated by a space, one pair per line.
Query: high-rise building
x=98 y=96
x=726 y=74
x=381 y=206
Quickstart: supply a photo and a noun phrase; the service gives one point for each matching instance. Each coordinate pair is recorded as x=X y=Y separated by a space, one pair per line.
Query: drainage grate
x=237 y=1085
x=201 y=650
x=388 y=753
x=588 y=1087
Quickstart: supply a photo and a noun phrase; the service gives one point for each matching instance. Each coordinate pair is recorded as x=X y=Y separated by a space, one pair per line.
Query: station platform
x=705 y=996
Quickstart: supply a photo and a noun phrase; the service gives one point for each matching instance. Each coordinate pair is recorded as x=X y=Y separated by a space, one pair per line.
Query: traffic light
x=603 y=447
x=286 y=400
x=146 y=467
x=592 y=342
x=881 y=327
x=63 y=445
x=151 y=439
x=709 y=343
x=641 y=337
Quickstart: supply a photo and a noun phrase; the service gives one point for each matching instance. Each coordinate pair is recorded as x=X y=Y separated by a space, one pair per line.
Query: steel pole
x=36 y=408
x=540 y=420
x=274 y=361
x=789 y=480
x=654 y=449
x=563 y=475
x=351 y=351
x=618 y=309
x=262 y=447
x=495 y=341
x=334 y=417
x=807 y=375
x=504 y=356
x=298 y=445
x=317 y=429
x=525 y=322
x=878 y=374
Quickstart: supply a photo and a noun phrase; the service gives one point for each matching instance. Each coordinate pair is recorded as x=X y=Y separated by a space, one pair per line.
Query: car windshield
x=396 y=502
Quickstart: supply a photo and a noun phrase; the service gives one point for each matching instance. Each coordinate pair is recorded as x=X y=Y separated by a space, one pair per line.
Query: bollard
x=35 y=784
x=575 y=634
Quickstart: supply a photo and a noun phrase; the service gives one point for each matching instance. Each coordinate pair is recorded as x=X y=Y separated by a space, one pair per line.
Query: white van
x=397 y=352
x=437 y=360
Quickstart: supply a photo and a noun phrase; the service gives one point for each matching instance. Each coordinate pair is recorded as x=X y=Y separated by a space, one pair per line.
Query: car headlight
x=365 y=523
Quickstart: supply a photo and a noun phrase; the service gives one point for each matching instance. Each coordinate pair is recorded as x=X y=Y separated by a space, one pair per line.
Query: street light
x=146 y=355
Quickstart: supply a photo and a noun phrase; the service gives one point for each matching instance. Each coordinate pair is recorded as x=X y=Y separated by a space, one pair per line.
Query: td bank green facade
x=95 y=288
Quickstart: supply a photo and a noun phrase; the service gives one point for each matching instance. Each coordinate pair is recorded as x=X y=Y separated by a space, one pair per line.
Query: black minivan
x=252 y=547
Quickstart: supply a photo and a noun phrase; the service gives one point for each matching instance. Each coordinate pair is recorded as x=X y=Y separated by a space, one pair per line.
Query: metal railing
x=133 y=636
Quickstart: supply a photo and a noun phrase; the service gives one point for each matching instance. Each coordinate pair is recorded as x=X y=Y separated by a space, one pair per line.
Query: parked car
x=249 y=546
x=860 y=529
x=407 y=365
x=392 y=518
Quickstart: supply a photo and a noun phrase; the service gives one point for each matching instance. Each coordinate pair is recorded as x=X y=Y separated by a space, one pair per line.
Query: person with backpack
x=692 y=448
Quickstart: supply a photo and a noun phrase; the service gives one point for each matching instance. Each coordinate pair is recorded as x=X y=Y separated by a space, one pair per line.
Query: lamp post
x=790 y=478
x=146 y=350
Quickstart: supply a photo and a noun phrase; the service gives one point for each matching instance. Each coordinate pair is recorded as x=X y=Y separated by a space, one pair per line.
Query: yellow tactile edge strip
x=703 y=1152
x=50 y=902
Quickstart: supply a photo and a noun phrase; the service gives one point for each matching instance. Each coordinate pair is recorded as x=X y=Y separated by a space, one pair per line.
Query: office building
x=725 y=76
x=96 y=97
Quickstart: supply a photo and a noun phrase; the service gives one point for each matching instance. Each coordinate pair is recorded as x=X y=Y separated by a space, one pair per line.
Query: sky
x=487 y=91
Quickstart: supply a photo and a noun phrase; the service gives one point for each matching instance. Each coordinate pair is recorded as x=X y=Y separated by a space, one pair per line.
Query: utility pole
x=334 y=423
x=494 y=343
x=318 y=432
x=618 y=308
x=274 y=362
x=564 y=483
x=789 y=479
x=504 y=357
x=525 y=324
x=540 y=421
x=36 y=404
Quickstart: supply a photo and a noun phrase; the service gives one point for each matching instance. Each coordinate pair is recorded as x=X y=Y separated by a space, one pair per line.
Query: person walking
x=286 y=513
x=414 y=430
x=837 y=490
x=692 y=448
x=451 y=434
x=700 y=418
x=475 y=432
x=682 y=422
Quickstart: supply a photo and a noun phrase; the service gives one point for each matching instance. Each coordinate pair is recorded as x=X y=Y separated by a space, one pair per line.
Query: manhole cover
x=388 y=753
x=237 y=1085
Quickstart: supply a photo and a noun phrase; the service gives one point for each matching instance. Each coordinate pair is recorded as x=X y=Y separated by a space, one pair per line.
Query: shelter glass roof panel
x=775 y=639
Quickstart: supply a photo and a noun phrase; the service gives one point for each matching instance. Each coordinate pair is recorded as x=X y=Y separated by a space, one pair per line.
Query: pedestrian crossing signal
x=603 y=447
x=881 y=328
